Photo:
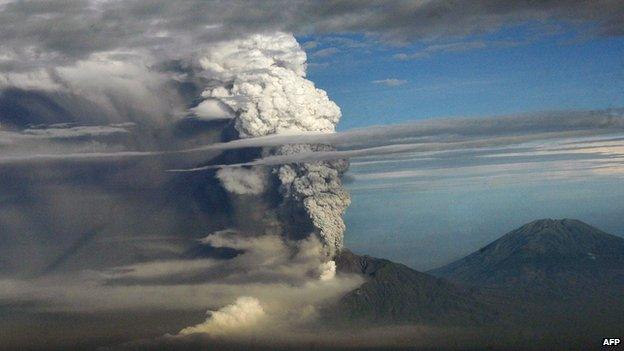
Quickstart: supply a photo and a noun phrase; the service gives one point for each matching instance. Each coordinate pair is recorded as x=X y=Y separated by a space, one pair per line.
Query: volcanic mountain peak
x=564 y=237
x=560 y=227
x=543 y=250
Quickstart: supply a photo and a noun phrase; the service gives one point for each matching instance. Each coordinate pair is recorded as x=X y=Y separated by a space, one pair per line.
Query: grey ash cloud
x=39 y=33
x=85 y=149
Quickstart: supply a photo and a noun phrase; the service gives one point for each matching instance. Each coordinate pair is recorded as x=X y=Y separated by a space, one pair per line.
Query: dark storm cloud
x=21 y=108
x=54 y=217
x=58 y=31
x=55 y=214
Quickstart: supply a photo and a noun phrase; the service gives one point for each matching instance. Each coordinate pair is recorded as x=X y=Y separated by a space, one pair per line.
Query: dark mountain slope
x=394 y=293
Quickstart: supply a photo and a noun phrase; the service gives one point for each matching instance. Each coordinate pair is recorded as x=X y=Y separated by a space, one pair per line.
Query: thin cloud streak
x=414 y=139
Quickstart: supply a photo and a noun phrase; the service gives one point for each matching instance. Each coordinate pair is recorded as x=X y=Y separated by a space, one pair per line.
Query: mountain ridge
x=396 y=293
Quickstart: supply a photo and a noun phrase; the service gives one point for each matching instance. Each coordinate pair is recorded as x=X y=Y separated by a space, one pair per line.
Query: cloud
x=280 y=281
x=212 y=109
x=423 y=136
x=596 y=158
x=243 y=181
x=245 y=313
x=67 y=132
x=262 y=80
x=311 y=44
x=37 y=35
x=326 y=52
x=451 y=47
x=328 y=270
x=398 y=149
x=463 y=46
x=435 y=135
x=390 y=82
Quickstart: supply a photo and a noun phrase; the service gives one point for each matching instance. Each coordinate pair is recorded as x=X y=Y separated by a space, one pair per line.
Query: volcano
x=555 y=259
x=394 y=293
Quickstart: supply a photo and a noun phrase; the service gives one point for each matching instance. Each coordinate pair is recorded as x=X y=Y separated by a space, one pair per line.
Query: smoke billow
x=317 y=188
x=108 y=229
x=262 y=80
x=246 y=312
x=253 y=181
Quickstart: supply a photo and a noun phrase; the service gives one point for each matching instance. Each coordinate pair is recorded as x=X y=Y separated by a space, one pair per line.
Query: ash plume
x=245 y=312
x=316 y=189
x=262 y=80
x=275 y=229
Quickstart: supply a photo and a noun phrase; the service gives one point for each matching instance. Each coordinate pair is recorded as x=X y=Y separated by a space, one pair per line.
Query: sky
x=513 y=70
x=508 y=72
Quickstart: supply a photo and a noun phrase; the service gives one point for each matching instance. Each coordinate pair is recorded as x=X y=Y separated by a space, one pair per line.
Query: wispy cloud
x=308 y=45
x=423 y=136
x=326 y=52
x=438 y=135
x=536 y=162
x=453 y=47
x=390 y=82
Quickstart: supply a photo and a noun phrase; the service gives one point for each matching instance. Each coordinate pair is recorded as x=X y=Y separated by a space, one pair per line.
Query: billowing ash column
x=316 y=189
x=261 y=81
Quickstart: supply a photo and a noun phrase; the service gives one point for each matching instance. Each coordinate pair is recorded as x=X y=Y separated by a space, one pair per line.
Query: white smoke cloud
x=210 y=109
x=245 y=313
x=328 y=270
x=263 y=80
x=244 y=181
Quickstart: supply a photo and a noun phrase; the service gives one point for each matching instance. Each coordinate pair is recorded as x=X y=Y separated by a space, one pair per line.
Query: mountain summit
x=558 y=257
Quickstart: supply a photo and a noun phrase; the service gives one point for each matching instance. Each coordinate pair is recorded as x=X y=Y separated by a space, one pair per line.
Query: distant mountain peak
x=566 y=224
x=539 y=249
x=551 y=222
x=554 y=237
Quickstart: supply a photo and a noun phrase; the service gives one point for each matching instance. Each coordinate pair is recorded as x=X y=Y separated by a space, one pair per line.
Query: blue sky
x=512 y=71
